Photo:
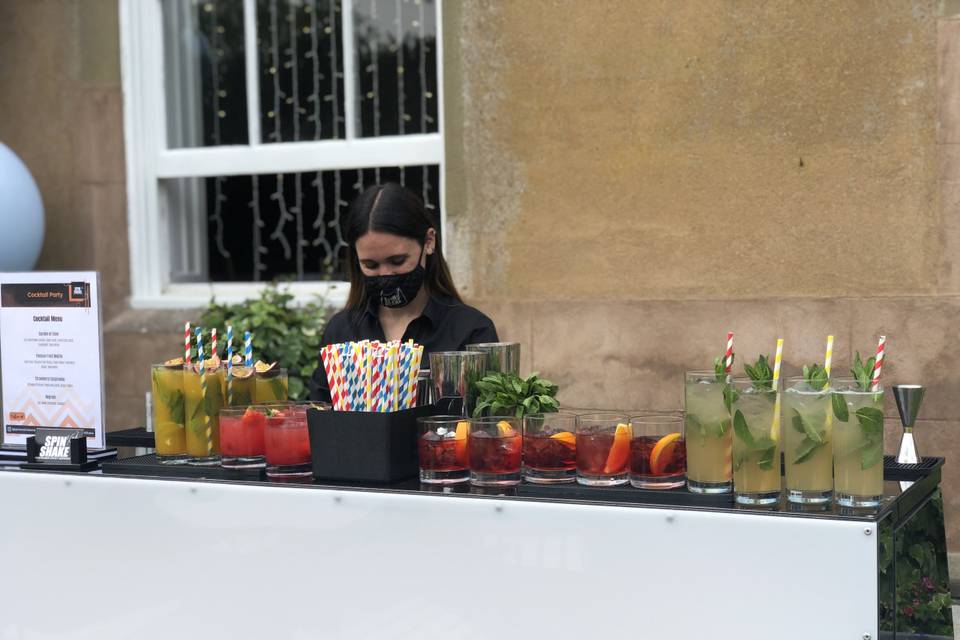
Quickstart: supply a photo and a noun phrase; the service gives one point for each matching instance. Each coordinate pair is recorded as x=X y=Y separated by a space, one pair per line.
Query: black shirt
x=444 y=325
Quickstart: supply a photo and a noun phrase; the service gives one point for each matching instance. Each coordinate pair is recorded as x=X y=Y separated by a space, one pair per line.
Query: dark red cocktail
x=603 y=450
x=495 y=450
x=658 y=462
x=442 y=448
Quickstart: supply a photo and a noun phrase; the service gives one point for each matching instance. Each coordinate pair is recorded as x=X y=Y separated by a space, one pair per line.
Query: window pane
x=206 y=99
x=397 y=66
x=258 y=228
x=301 y=70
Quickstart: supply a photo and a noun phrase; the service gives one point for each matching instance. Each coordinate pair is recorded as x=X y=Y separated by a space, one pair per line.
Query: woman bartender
x=400 y=287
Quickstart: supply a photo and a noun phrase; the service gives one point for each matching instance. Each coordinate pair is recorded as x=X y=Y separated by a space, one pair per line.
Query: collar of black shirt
x=434 y=311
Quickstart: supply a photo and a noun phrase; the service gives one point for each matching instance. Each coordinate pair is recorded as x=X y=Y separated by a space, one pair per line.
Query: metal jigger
x=909 y=397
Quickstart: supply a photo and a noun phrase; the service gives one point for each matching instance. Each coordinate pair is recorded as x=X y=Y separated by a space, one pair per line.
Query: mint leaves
x=871 y=427
x=760 y=372
x=813 y=437
x=863 y=372
x=816 y=376
x=763 y=447
x=839 y=405
x=507 y=393
x=720 y=367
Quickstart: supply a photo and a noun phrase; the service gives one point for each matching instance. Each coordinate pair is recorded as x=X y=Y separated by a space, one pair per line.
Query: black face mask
x=397 y=290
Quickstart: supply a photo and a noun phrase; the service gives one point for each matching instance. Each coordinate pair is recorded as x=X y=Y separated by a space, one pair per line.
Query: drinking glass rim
x=441 y=418
x=487 y=420
x=654 y=418
x=851 y=379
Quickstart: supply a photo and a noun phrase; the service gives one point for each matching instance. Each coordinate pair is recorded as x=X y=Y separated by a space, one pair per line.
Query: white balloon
x=21 y=214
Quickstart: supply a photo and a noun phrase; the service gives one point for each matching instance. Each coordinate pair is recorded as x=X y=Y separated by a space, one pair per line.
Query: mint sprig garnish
x=172 y=400
x=720 y=366
x=863 y=371
x=816 y=376
x=871 y=426
x=760 y=372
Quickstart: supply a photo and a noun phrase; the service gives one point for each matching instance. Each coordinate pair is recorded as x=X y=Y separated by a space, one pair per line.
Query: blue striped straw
x=247 y=349
x=230 y=364
x=203 y=391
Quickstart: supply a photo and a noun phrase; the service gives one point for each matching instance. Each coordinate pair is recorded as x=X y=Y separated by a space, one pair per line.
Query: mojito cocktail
x=166 y=383
x=203 y=412
x=707 y=433
x=807 y=428
x=857 y=443
x=756 y=441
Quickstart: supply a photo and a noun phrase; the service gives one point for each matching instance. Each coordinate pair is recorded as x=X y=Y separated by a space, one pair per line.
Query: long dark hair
x=391 y=208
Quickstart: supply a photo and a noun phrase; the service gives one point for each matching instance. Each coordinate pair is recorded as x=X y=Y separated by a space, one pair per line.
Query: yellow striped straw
x=777 y=359
x=827 y=361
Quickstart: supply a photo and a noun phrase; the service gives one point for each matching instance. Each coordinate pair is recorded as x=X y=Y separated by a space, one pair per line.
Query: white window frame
x=148 y=160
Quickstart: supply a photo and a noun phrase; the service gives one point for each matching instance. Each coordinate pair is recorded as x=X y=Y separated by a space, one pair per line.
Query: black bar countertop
x=905 y=487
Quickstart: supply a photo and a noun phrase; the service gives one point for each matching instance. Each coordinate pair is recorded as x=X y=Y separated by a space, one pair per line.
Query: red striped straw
x=186 y=343
x=213 y=342
x=877 y=364
x=728 y=358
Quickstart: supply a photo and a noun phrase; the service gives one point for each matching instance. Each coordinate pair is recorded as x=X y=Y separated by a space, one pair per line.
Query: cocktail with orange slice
x=494 y=450
x=603 y=449
x=550 y=448
x=708 y=433
x=442 y=447
x=658 y=458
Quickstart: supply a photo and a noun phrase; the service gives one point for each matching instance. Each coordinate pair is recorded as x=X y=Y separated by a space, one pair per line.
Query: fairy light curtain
x=260 y=227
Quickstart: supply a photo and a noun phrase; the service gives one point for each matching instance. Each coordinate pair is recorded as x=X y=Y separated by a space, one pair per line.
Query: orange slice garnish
x=504 y=429
x=460 y=442
x=566 y=437
x=619 y=451
x=662 y=452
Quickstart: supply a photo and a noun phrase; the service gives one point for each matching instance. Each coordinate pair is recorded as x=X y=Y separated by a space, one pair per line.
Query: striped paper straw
x=877 y=364
x=377 y=379
x=230 y=364
x=415 y=374
x=186 y=343
x=213 y=342
x=203 y=391
x=777 y=359
x=247 y=349
x=827 y=363
x=395 y=396
x=728 y=356
x=403 y=379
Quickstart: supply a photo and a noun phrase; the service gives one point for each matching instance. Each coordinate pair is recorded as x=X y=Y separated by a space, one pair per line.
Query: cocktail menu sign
x=51 y=355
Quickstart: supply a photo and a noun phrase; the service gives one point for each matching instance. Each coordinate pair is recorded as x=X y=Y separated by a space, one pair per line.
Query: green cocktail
x=756 y=441
x=807 y=428
x=708 y=433
x=857 y=443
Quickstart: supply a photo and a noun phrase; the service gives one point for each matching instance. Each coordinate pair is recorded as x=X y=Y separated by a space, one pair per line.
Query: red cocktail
x=549 y=448
x=242 y=437
x=658 y=455
x=603 y=449
x=495 y=450
x=442 y=447
x=287 y=443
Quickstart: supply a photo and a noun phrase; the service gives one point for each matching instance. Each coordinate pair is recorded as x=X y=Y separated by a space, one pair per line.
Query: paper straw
x=728 y=356
x=827 y=363
x=775 y=427
x=403 y=385
x=877 y=364
x=230 y=364
x=186 y=343
x=247 y=349
x=203 y=391
x=213 y=342
x=415 y=374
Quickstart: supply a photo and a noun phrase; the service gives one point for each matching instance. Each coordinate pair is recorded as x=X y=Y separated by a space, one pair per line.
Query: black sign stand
x=78 y=458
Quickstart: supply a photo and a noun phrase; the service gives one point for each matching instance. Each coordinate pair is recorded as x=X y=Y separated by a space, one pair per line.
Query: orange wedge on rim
x=566 y=437
x=619 y=451
x=662 y=452
x=504 y=429
x=460 y=442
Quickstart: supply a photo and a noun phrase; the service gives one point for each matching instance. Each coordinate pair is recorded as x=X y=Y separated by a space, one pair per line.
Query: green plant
x=508 y=393
x=815 y=375
x=760 y=373
x=283 y=331
x=862 y=371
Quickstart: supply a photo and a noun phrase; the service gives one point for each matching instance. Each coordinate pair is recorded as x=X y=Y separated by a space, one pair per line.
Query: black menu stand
x=78 y=458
